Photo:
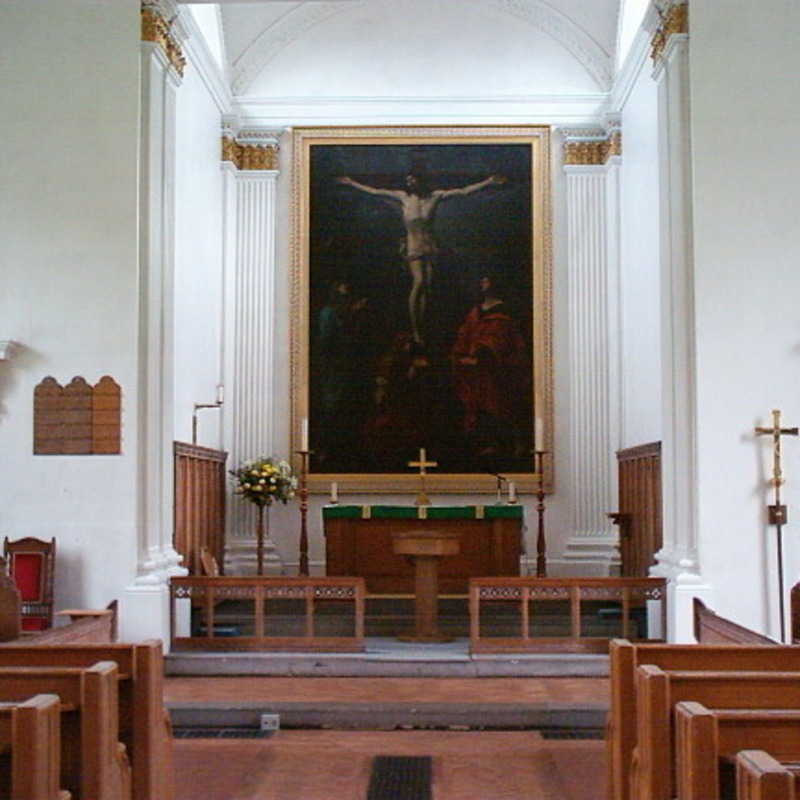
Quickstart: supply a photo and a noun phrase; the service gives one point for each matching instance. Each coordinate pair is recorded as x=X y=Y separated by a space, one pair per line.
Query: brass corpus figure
x=777 y=511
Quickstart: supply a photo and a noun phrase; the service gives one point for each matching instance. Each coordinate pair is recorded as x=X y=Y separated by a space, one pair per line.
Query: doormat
x=400 y=778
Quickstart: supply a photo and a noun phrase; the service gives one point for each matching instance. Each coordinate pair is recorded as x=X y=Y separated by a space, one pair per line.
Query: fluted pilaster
x=249 y=341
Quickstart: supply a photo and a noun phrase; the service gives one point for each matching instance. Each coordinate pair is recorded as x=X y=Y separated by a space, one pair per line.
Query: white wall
x=745 y=125
x=68 y=183
x=639 y=246
x=198 y=260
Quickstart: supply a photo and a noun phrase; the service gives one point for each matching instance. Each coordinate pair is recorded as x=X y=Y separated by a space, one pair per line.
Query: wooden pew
x=30 y=736
x=759 y=776
x=707 y=740
x=658 y=692
x=94 y=764
x=711 y=628
x=143 y=722
x=625 y=657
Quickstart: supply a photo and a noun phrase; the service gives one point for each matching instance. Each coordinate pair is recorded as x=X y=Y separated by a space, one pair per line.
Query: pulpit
x=426 y=548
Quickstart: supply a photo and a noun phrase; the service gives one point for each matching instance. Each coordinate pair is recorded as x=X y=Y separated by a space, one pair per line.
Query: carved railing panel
x=626 y=600
x=206 y=594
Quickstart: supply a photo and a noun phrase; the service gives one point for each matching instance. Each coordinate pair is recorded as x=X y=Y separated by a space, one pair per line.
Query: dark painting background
x=386 y=402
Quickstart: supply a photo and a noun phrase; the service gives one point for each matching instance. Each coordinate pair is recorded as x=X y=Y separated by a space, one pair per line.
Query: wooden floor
x=335 y=764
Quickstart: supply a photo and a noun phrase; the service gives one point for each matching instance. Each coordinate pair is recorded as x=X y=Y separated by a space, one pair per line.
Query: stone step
x=392 y=716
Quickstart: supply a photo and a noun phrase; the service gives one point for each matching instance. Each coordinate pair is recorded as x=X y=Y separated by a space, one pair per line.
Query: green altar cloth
x=422 y=512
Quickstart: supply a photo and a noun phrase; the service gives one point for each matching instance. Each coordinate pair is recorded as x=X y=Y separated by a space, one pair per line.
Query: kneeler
x=31 y=563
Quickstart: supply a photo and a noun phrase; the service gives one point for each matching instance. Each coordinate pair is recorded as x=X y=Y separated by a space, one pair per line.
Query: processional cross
x=777 y=512
x=422 y=498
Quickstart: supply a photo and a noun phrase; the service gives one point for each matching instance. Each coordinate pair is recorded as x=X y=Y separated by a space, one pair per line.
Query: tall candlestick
x=538 y=434
x=512 y=492
x=334 y=492
x=304 y=434
x=220 y=394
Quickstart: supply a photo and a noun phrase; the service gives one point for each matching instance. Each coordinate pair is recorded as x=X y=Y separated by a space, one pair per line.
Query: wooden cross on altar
x=422 y=498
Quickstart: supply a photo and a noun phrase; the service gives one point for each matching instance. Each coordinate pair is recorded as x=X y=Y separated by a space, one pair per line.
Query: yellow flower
x=254 y=472
x=262 y=481
x=247 y=486
x=258 y=488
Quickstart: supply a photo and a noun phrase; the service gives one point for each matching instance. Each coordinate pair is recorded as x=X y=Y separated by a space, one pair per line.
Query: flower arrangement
x=265 y=480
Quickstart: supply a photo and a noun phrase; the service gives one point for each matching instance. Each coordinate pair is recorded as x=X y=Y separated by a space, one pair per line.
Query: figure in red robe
x=491 y=374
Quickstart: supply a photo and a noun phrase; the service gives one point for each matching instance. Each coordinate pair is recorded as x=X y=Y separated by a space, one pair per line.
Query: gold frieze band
x=593 y=151
x=249 y=156
x=157 y=30
x=674 y=20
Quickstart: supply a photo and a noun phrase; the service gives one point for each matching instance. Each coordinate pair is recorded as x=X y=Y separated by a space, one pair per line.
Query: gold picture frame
x=381 y=215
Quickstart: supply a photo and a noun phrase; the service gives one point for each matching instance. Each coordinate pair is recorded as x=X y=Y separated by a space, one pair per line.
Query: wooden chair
x=31 y=563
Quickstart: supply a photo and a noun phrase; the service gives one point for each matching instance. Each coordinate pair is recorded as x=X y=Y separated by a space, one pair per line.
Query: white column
x=249 y=348
x=678 y=558
x=593 y=233
x=145 y=606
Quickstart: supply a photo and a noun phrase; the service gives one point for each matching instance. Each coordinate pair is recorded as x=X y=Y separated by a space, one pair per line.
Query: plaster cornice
x=201 y=59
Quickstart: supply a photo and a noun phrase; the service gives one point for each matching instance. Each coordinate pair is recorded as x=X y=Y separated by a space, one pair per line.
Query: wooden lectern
x=426 y=548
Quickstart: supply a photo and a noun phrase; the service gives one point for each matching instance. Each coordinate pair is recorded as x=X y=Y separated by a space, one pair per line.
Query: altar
x=358 y=542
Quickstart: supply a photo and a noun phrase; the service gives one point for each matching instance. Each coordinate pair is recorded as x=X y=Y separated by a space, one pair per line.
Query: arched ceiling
x=419 y=47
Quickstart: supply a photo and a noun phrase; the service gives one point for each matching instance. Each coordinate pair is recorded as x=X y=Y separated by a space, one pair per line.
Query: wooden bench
x=658 y=692
x=707 y=740
x=30 y=738
x=759 y=776
x=625 y=657
x=711 y=628
x=94 y=764
x=143 y=722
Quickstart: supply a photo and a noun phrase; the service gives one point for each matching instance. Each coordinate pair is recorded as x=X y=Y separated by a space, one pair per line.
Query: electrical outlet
x=270 y=722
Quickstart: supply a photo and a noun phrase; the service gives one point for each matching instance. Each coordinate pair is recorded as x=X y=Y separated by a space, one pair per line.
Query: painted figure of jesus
x=417 y=204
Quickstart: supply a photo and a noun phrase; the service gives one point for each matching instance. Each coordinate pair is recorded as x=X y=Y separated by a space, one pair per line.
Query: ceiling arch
x=539 y=15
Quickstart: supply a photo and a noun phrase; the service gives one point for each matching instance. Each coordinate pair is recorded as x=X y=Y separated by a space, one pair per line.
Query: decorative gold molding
x=157 y=30
x=249 y=156
x=674 y=20
x=593 y=151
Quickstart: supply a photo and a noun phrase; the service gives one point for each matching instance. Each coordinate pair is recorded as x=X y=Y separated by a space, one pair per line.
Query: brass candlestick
x=541 y=543
x=302 y=493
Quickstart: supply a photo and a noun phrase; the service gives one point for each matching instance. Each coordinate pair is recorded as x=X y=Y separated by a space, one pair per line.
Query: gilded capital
x=250 y=156
x=674 y=19
x=156 y=29
x=593 y=151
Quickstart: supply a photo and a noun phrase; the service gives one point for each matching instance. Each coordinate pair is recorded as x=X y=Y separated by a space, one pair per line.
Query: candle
x=334 y=492
x=304 y=434
x=220 y=394
x=512 y=492
x=538 y=435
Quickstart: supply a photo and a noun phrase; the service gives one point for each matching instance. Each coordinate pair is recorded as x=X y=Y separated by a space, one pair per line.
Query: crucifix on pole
x=422 y=498
x=777 y=512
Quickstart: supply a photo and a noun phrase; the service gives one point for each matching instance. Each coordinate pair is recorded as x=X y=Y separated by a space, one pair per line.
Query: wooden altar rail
x=199 y=503
x=639 y=508
x=207 y=593
x=527 y=592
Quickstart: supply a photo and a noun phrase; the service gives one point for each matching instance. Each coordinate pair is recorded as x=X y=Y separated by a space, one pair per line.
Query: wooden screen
x=639 y=515
x=199 y=503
